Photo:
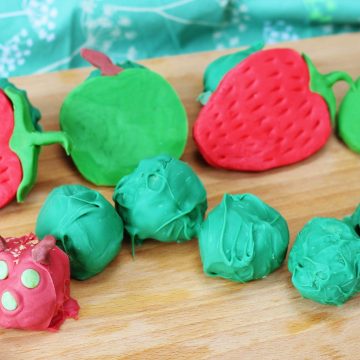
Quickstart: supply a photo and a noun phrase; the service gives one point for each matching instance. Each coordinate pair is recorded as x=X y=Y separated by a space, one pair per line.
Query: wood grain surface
x=160 y=305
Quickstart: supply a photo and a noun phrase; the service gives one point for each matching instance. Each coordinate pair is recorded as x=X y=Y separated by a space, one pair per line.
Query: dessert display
x=163 y=199
x=273 y=108
x=21 y=139
x=324 y=260
x=243 y=239
x=34 y=284
x=119 y=117
x=85 y=225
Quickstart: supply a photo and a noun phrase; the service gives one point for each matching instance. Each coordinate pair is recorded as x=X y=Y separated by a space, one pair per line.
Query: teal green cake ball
x=243 y=239
x=163 y=199
x=85 y=225
x=325 y=260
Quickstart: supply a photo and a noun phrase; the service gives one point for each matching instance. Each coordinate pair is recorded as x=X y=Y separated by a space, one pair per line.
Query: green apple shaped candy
x=243 y=239
x=325 y=260
x=117 y=119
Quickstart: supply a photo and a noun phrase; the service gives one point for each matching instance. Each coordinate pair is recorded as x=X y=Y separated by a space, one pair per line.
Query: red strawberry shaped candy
x=34 y=284
x=20 y=141
x=272 y=109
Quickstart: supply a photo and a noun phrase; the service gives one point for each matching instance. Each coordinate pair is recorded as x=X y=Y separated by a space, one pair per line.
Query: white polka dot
x=50 y=37
x=42 y=34
x=29 y=42
x=24 y=32
x=130 y=35
x=51 y=25
x=53 y=13
x=124 y=21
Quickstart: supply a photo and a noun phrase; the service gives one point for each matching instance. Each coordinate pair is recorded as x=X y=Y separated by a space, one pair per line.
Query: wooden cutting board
x=160 y=305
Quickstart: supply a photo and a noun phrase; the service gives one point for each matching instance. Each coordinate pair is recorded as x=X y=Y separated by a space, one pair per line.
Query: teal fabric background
x=46 y=35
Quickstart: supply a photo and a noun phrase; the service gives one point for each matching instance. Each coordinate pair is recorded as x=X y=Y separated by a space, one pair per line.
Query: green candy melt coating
x=8 y=301
x=116 y=121
x=30 y=278
x=162 y=199
x=4 y=270
x=243 y=239
x=85 y=225
x=349 y=118
x=325 y=261
x=217 y=69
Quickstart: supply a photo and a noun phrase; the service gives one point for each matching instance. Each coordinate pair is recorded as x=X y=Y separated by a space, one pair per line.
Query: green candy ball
x=324 y=261
x=243 y=239
x=85 y=225
x=162 y=199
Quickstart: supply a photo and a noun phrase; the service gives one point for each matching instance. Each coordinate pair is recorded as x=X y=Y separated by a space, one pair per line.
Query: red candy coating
x=45 y=306
x=263 y=114
x=10 y=165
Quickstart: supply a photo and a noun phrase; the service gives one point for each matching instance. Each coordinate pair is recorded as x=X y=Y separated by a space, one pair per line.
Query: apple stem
x=100 y=61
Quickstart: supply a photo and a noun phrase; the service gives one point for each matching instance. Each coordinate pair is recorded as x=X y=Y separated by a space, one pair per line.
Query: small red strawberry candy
x=272 y=109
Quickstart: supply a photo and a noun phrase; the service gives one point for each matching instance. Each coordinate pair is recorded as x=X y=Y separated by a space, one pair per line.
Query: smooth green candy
x=85 y=225
x=30 y=278
x=115 y=121
x=162 y=199
x=8 y=301
x=4 y=270
x=349 y=118
x=243 y=239
x=325 y=259
x=217 y=69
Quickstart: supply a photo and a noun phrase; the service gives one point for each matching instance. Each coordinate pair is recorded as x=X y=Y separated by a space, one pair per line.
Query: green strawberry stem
x=217 y=69
x=323 y=83
x=26 y=141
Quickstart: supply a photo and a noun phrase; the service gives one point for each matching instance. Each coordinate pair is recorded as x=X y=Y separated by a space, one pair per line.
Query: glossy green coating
x=322 y=84
x=116 y=121
x=8 y=301
x=349 y=118
x=26 y=140
x=4 y=270
x=243 y=239
x=30 y=278
x=217 y=69
x=325 y=261
x=162 y=199
x=85 y=225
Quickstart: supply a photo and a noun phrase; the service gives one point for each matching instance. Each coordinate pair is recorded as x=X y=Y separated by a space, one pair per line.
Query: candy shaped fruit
x=20 y=141
x=162 y=199
x=243 y=239
x=34 y=284
x=324 y=261
x=348 y=121
x=85 y=225
x=117 y=119
x=272 y=109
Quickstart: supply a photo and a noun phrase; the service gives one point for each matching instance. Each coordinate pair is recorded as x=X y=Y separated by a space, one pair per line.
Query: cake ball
x=243 y=239
x=85 y=225
x=162 y=199
x=324 y=261
x=34 y=284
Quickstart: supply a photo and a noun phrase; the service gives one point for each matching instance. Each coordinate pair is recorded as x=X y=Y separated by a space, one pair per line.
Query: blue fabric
x=46 y=35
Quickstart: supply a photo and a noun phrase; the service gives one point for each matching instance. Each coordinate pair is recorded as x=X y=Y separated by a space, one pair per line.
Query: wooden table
x=161 y=305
